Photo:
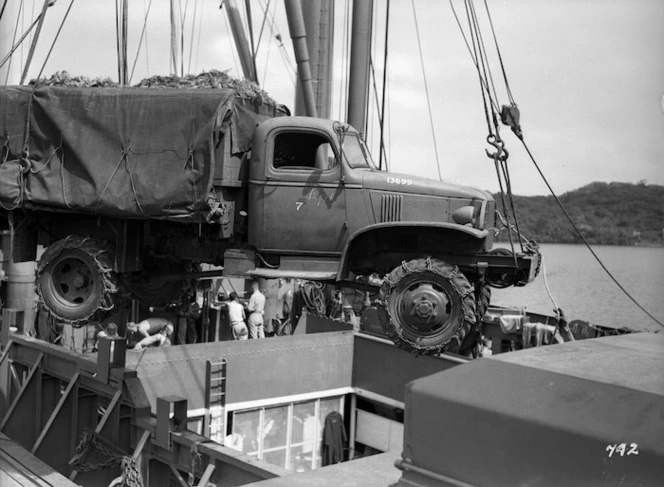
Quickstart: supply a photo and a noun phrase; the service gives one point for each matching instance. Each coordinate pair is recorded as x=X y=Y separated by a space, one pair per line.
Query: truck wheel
x=75 y=279
x=152 y=290
x=426 y=305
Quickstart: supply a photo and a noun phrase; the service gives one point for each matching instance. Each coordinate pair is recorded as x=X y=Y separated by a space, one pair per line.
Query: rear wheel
x=75 y=279
x=426 y=305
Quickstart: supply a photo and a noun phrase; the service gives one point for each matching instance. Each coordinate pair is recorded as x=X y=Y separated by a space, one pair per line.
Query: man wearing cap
x=256 y=307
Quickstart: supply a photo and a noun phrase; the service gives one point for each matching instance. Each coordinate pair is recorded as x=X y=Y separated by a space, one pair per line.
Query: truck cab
x=318 y=208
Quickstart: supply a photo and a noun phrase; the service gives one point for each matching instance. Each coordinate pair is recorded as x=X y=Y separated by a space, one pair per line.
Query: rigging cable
x=265 y=9
x=484 y=58
x=500 y=58
x=198 y=37
x=463 y=34
x=283 y=52
x=585 y=242
x=546 y=286
x=57 y=34
x=378 y=110
x=191 y=40
x=16 y=45
x=382 y=105
x=183 y=18
x=426 y=89
x=519 y=135
x=486 y=82
x=2 y=12
x=140 y=41
x=35 y=39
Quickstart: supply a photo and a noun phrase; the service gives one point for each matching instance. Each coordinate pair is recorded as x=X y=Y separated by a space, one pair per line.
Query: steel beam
x=63 y=364
x=24 y=431
x=102 y=422
x=205 y=478
x=5 y=352
x=178 y=476
x=14 y=377
x=57 y=430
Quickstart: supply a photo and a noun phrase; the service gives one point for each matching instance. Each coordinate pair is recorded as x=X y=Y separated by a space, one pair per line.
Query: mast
x=243 y=50
x=360 y=52
x=176 y=50
x=319 y=25
x=298 y=35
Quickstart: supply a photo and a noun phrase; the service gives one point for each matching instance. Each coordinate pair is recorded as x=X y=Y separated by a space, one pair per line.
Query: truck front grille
x=390 y=208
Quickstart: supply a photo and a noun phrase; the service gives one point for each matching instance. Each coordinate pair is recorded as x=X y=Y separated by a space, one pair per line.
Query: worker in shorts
x=256 y=307
x=236 y=317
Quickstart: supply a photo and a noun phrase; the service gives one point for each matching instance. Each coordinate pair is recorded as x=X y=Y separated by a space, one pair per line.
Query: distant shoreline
x=642 y=244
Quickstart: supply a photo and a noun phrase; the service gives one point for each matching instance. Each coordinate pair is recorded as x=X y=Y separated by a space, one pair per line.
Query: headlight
x=464 y=215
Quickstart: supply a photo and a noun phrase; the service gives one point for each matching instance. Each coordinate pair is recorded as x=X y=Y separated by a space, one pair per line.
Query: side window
x=302 y=151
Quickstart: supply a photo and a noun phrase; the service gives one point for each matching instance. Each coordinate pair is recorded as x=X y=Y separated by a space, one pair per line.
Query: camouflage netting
x=210 y=79
x=63 y=78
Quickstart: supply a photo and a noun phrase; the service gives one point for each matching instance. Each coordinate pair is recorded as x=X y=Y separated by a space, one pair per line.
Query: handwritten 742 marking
x=622 y=449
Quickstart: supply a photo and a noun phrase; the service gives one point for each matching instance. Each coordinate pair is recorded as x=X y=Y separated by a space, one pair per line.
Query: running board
x=284 y=273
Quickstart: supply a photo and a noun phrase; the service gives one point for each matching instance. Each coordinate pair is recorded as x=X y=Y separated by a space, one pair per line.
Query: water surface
x=581 y=287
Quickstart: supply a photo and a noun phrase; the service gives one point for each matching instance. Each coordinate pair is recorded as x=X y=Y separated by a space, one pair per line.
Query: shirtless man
x=153 y=331
x=158 y=340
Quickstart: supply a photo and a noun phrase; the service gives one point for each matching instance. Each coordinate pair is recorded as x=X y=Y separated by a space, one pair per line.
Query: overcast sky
x=588 y=76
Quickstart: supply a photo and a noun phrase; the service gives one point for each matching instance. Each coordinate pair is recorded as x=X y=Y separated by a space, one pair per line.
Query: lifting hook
x=501 y=154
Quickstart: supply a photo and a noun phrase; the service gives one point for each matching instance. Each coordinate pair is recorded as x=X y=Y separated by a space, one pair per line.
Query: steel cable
x=57 y=34
x=426 y=89
x=140 y=41
x=585 y=242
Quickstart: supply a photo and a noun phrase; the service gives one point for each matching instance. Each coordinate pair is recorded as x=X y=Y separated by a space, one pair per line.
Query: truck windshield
x=355 y=152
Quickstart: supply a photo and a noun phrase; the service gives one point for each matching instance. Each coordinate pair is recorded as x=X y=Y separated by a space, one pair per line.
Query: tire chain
x=469 y=319
x=101 y=252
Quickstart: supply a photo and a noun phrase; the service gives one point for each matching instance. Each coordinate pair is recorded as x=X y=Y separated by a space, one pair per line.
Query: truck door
x=302 y=197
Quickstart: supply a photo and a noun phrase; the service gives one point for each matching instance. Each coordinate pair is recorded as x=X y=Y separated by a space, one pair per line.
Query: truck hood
x=406 y=183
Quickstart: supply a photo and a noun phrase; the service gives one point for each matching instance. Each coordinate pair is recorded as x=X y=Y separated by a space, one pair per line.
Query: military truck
x=128 y=189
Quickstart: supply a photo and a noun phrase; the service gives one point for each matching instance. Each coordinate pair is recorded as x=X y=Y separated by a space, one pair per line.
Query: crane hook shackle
x=501 y=154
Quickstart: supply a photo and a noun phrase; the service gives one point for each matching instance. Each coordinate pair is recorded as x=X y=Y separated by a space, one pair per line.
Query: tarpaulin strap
x=19 y=199
x=26 y=135
x=131 y=180
x=108 y=183
x=125 y=159
x=62 y=179
x=190 y=158
x=48 y=161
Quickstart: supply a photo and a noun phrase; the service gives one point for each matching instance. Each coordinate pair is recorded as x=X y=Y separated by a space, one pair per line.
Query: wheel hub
x=424 y=306
x=73 y=281
x=424 y=309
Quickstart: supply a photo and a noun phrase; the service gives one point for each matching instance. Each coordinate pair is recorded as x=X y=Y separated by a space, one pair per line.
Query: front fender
x=452 y=236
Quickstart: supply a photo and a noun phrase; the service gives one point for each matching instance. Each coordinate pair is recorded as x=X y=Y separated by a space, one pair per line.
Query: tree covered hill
x=606 y=213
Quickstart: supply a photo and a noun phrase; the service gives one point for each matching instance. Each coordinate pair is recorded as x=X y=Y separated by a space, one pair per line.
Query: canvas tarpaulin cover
x=123 y=152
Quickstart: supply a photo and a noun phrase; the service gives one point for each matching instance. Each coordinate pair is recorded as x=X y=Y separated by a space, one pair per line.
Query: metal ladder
x=215 y=400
